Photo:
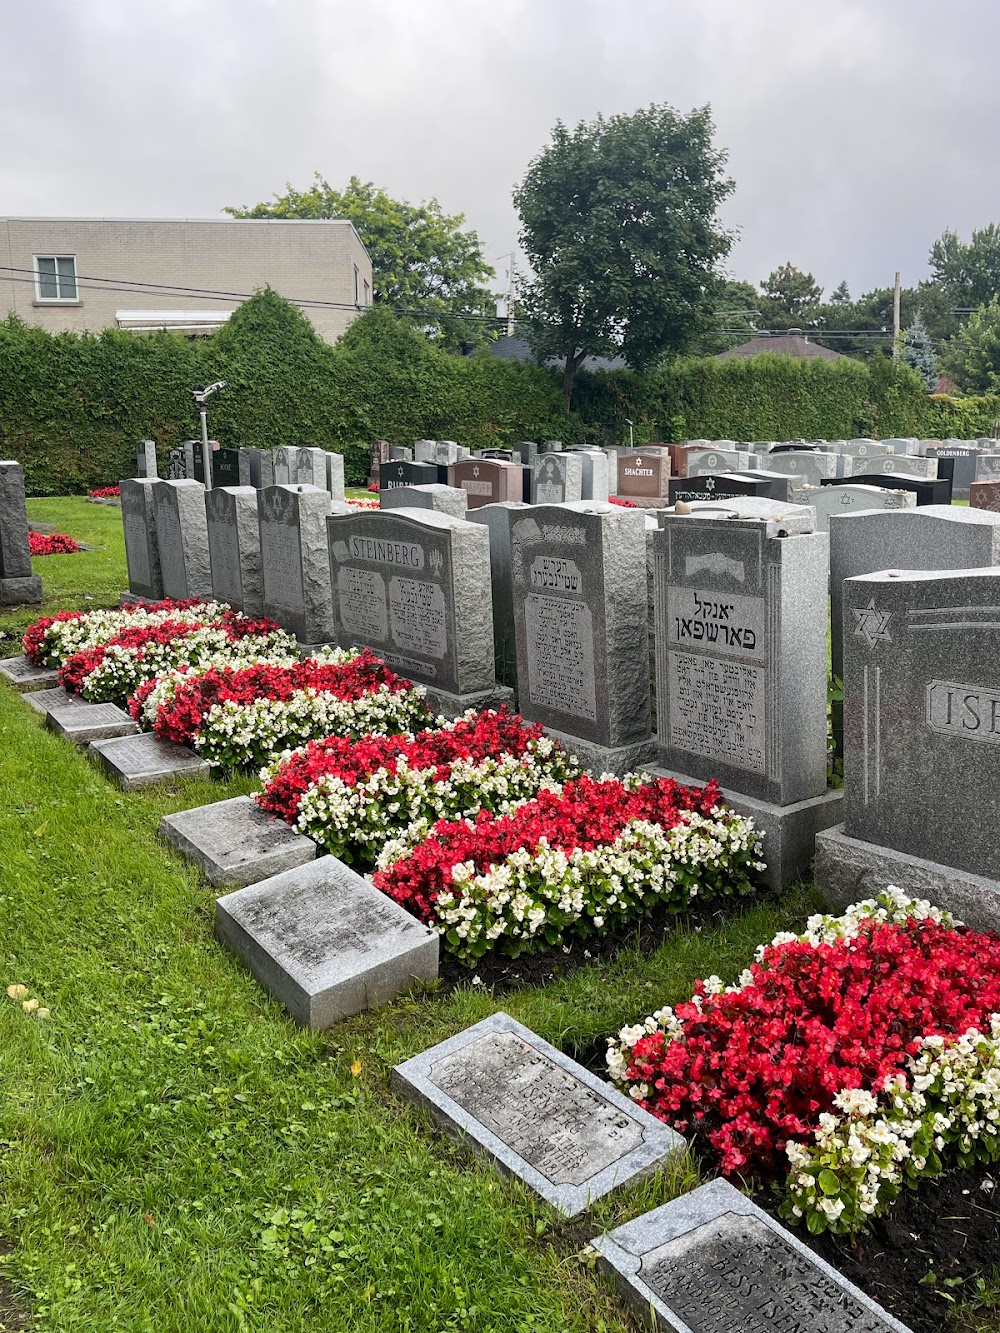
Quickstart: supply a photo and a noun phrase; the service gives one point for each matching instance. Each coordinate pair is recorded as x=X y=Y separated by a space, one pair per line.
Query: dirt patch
x=13 y=1316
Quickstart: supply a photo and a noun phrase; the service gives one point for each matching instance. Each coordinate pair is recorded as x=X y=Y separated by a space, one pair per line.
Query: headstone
x=741 y=667
x=443 y=499
x=176 y=464
x=713 y=1262
x=188 y=448
x=862 y=449
x=643 y=477
x=579 y=588
x=284 y=465
x=324 y=942
x=921 y=738
x=234 y=548
x=985 y=495
x=929 y=491
x=494 y=517
x=81 y=722
x=144 y=760
x=310 y=468
x=556 y=479
x=235 y=842
x=378 y=454
x=425 y=451
x=407 y=474
x=542 y=1117
x=447 y=453
x=257 y=468
x=596 y=483
x=487 y=481
x=987 y=467
x=25 y=676
x=964 y=455
x=805 y=467
x=725 y=486
x=414 y=585
x=295 y=564
x=142 y=552
x=181 y=538
x=334 y=482
x=829 y=500
x=226 y=467
x=400 y=454
x=528 y=451
x=197 y=472
x=18 y=585
x=500 y=455
x=145 y=458
x=48 y=701
x=703 y=462
x=891 y=464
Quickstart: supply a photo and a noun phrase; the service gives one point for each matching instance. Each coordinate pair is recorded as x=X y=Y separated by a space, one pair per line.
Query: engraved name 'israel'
x=966 y=711
x=730 y=624
x=408 y=555
x=556 y=574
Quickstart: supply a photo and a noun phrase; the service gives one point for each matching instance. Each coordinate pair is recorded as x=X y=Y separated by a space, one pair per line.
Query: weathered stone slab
x=235 y=842
x=234 y=548
x=295 y=563
x=713 y=1262
x=542 y=1117
x=144 y=760
x=442 y=499
x=50 y=701
x=324 y=942
x=81 y=722
x=25 y=676
x=181 y=538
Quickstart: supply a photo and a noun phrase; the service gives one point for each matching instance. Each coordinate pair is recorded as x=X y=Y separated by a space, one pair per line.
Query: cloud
x=856 y=131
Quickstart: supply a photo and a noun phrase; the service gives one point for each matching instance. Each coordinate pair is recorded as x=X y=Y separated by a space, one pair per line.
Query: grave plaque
x=47 y=701
x=182 y=538
x=928 y=490
x=830 y=500
x=443 y=499
x=579 y=588
x=234 y=548
x=17 y=583
x=81 y=722
x=542 y=1117
x=235 y=842
x=985 y=495
x=226 y=467
x=643 y=476
x=24 y=675
x=741 y=648
x=141 y=761
x=713 y=1262
x=414 y=585
x=324 y=942
x=487 y=481
x=142 y=552
x=145 y=458
x=295 y=564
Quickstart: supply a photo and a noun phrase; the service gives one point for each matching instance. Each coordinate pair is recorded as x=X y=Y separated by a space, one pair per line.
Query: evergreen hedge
x=73 y=406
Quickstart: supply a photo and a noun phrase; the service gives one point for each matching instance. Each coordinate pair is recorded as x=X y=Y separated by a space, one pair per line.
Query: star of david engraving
x=475 y=470
x=872 y=625
x=846 y=499
x=710 y=484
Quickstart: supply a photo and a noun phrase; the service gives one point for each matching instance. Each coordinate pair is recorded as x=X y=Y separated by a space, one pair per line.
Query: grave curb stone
x=249 y=860
x=624 y=1251
x=174 y=761
x=411 y=1080
x=597 y=759
x=25 y=591
x=848 y=869
x=83 y=722
x=336 y=995
x=49 y=701
x=20 y=673
x=453 y=706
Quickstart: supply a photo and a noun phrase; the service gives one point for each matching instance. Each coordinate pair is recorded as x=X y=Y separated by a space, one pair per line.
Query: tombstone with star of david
x=487 y=481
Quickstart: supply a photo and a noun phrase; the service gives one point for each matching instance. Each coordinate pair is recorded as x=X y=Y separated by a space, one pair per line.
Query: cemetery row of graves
x=528 y=703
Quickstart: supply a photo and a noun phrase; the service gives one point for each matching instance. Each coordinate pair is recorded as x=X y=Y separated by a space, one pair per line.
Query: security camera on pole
x=201 y=397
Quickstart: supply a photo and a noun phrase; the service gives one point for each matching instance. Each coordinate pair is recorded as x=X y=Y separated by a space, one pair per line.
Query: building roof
x=519 y=349
x=792 y=343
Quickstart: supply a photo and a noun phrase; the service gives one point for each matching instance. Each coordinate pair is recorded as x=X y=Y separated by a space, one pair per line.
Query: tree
x=789 y=297
x=841 y=294
x=424 y=264
x=973 y=357
x=918 y=351
x=735 y=318
x=618 y=221
x=969 y=273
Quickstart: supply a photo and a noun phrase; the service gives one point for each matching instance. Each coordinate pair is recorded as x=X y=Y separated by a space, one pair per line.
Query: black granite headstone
x=928 y=491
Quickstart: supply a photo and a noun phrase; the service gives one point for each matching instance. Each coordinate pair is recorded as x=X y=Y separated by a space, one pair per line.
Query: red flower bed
x=482 y=737
x=755 y=1068
x=52 y=543
x=374 y=487
x=587 y=813
x=33 y=642
x=625 y=504
x=180 y=720
x=106 y=493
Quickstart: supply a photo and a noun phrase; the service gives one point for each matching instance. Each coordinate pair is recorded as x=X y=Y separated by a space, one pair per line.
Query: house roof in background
x=792 y=343
x=518 y=349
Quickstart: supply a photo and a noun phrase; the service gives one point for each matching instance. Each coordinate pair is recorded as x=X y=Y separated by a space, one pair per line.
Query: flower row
x=52 y=543
x=106 y=493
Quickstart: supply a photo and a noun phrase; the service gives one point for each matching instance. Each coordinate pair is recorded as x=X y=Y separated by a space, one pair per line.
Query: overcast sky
x=857 y=129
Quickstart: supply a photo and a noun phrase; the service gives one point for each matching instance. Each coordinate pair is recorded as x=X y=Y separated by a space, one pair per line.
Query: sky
x=857 y=130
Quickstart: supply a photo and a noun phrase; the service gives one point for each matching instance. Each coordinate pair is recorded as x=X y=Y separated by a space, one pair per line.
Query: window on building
x=368 y=292
x=55 y=278
x=357 y=286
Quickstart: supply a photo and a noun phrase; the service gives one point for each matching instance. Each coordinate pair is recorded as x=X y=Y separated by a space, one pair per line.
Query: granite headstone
x=295 y=564
x=182 y=538
x=18 y=585
x=142 y=553
x=556 y=478
x=234 y=548
x=443 y=499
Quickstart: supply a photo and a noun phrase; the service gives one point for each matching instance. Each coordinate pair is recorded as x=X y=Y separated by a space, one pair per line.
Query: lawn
x=176 y=1155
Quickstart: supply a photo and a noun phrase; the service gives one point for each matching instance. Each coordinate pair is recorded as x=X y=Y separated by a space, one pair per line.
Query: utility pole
x=895 y=320
x=512 y=272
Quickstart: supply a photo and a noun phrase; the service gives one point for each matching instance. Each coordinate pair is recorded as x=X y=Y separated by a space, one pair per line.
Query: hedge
x=73 y=406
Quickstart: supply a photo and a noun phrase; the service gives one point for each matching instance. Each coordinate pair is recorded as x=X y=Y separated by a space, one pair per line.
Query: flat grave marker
x=235 y=842
x=324 y=942
x=143 y=760
x=538 y=1114
x=24 y=675
x=81 y=722
x=49 y=701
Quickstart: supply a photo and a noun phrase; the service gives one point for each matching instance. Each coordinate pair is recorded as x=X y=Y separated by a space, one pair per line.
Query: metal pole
x=206 y=453
x=895 y=320
x=510 y=296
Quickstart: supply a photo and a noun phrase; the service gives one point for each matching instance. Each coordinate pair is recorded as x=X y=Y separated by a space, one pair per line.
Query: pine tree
x=918 y=352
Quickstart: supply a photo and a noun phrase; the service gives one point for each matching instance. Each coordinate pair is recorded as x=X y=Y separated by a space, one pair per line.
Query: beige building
x=183 y=274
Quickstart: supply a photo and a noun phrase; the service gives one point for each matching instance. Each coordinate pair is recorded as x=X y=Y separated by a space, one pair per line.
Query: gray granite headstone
x=432 y=495
x=830 y=500
x=142 y=552
x=182 y=538
x=143 y=760
x=399 y=453
x=703 y=462
x=145 y=459
x=538 y=1114
x=806 y=468
x=864 y=449
x=257 y=468
x=713 y=1262
x=295 y=565
x=596 y=484
x=741 y=648
x=890 y=464
x=922 y=714
x=334 y=482
x=425 y=451
x=556 y=478
x=494 y=517
x=324 y=942
x=284 y=465
x=579 y=587
x=18 y=585
x=82 y=722
x=987 y=467
x=447 y=453
x=24 y=675
x=309 y=468
x=414 y=585
x=234 y=548
x=235 y=842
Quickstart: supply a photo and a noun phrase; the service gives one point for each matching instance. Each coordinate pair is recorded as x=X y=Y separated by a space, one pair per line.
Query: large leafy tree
x=968 y=271
x=425 y=264
x=619 y=224
x=973 y=356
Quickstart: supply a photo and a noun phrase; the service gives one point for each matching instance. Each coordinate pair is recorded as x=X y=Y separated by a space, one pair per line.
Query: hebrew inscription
x=560 y=635
x=418 y=616
x=361 y=594
x=717 y=709
x=725 y=624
